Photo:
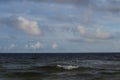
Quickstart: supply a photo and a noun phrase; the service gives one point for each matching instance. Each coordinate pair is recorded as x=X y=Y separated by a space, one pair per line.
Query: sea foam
x=68 y=67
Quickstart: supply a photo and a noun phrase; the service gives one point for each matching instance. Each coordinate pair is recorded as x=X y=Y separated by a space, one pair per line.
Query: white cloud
x=99 y=33
x=102 y=34
x=22 y=23
x=36 y=45
x=54 y=45
x=81 y=29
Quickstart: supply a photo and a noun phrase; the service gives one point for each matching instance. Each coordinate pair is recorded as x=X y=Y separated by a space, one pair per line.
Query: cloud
x=99 y=33
x=12 y=46
x=54 y=45
x=35 y=45
x=99 y=5
x=9 y=47
x=81 y=29
x=107 y=5
x=65 y=1
x=102 y=34
x=29 y=26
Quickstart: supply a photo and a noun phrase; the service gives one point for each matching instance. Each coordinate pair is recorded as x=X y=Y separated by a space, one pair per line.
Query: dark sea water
x=60 y=66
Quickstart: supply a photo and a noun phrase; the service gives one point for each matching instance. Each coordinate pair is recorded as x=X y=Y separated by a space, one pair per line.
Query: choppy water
x=59 y=66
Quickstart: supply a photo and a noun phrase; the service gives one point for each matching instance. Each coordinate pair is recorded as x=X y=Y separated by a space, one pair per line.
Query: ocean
x=73 y=66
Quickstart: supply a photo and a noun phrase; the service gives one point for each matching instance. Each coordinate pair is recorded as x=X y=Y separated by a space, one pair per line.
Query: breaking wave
x=68 y=67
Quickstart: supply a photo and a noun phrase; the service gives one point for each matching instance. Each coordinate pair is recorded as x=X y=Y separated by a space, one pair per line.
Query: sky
x=59 y=26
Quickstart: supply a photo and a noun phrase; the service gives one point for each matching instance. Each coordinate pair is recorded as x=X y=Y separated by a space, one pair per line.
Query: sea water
x=59 y=66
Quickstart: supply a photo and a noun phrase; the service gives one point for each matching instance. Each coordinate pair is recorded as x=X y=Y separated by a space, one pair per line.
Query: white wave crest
x=68 y=67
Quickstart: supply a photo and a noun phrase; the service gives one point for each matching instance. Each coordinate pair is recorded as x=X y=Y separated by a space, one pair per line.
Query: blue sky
x=59 y=26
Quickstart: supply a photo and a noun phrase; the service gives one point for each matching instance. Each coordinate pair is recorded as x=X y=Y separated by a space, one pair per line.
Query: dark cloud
x=99 y=5
x=82 y=2
x=108 y=5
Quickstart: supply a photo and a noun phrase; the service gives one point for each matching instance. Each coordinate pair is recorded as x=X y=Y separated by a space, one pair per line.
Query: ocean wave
x=101 y=64
x=60 y=67
x=68 y=67
x=80 y=65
